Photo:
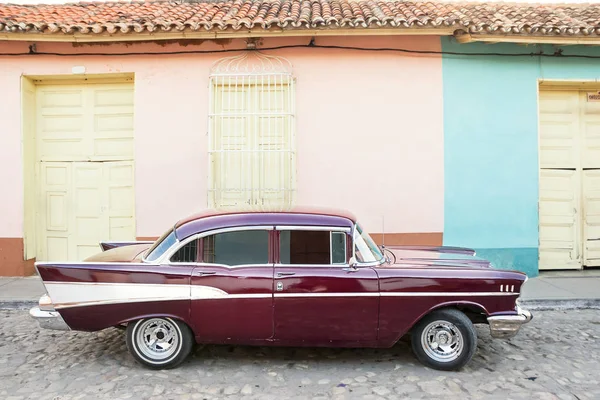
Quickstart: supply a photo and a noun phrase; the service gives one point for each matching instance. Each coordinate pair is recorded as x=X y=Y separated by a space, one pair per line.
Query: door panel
x=591 y=226
x=232 y=304
x=590 y=132
x=319 y=304
x=82 y=204
x=55 y=183
x=120 y=196
x=87 y=223
x=85 y=122
x=559 y=220
x=232 y=290
x=559 y=129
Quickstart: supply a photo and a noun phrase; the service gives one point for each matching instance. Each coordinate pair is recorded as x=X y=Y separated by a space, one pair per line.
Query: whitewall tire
x=159 y=342
x=444 y=340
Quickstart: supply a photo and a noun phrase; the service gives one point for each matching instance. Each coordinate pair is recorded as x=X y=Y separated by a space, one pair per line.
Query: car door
x=232 y=286
x=318 y=298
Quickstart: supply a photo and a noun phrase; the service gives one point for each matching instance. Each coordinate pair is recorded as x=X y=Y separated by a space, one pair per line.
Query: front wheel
x=159 y=343
x=444 y=340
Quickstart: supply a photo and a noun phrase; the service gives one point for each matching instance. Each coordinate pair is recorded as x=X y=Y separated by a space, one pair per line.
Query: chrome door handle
x=286 y=273
x=200 y=273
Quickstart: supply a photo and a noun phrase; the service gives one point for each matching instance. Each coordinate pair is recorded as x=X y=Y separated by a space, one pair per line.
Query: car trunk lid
x=131 y=253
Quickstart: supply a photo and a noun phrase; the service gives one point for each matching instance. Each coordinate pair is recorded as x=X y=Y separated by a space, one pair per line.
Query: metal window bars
x=252 y=159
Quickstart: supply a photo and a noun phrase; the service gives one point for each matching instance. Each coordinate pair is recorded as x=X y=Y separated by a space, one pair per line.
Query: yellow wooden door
x=591 y=226
x=559 y=220
x=590 y=133
x=560 y=181
x=85 y=155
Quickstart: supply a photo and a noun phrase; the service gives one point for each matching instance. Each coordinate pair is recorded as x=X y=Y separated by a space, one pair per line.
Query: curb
x=563 y=304
x=17 y=304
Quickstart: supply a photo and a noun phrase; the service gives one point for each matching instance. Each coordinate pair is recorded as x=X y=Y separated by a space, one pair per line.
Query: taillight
x=45 y=303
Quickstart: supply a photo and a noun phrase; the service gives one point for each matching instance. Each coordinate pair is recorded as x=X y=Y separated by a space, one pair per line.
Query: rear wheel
x=444 y=340
x=159 y=343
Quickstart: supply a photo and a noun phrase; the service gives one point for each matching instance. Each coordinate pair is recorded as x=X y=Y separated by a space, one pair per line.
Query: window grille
x=187 y=254
x=252 y=160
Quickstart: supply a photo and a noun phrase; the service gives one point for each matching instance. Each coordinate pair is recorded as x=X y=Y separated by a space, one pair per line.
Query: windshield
x=365 y=248
x=161 y=245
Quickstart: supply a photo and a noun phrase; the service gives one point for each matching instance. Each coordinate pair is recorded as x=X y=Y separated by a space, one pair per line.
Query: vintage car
x=302 y=277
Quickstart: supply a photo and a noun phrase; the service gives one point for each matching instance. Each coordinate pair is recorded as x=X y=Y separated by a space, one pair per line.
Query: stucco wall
x=369 y=128
x=491 y=146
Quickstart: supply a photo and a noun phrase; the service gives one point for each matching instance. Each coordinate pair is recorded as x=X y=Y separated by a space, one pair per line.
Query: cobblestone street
x=557 y=355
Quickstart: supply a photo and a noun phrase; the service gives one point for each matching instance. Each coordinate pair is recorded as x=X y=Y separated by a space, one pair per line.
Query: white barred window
x=251 y=133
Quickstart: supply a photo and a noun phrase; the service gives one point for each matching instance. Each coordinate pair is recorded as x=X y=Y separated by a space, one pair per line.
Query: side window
x=187 y=254
x=237 y=248
x=338 y=248
x=312 y=247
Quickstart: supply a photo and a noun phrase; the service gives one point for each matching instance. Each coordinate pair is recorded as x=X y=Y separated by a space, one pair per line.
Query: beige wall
x=369 y=128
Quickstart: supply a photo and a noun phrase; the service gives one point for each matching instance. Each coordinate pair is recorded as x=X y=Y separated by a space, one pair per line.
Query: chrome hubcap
x=157 y=338
x=442 y=341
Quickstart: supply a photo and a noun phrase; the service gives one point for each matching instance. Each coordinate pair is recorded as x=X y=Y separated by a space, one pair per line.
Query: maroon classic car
x=304 y=277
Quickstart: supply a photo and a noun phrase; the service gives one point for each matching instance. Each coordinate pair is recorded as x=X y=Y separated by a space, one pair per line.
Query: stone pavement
x=555 y=356
x=549 y=290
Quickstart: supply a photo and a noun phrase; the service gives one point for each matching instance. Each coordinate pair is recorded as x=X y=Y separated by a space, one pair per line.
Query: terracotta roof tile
x=165 y=16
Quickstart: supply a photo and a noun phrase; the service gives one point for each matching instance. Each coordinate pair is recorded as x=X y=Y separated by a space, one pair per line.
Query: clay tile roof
x=172 y=16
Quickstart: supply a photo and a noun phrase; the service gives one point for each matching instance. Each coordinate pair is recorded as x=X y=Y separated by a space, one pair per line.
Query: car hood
x=436 y=256
x=131 y=253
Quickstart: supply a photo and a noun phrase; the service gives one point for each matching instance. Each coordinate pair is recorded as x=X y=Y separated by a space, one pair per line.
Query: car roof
x=332 y=212
x=299 y=215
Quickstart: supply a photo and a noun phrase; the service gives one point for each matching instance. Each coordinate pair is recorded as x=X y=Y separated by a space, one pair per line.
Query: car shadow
x=298 y=357
x=108 y=347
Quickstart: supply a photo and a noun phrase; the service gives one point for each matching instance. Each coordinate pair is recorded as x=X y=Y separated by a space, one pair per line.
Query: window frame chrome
x=330 y=229
x=166 y=257
x=359 y=264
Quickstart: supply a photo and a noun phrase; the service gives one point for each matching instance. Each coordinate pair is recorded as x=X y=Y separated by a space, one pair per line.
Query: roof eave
x=460 y=36
x=528 y=39
x=223 y=34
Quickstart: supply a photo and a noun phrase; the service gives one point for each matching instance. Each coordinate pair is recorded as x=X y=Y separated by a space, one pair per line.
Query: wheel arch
x=470 y=308
x=157 y=315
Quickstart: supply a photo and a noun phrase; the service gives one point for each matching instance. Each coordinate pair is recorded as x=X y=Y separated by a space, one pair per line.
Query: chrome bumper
x=49 y=319
x=507 y=326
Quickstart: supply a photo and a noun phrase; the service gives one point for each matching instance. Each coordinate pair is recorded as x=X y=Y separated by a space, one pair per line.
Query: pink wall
x=369 y=128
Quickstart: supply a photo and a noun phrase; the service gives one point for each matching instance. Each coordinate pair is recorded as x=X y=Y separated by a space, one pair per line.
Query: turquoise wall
x=491 y=145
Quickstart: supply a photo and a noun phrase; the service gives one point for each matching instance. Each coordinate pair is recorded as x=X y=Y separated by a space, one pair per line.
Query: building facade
x=522 y=155
x=120 y=147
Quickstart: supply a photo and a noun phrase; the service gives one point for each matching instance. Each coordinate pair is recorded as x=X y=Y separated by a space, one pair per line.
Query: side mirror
x=351 y=265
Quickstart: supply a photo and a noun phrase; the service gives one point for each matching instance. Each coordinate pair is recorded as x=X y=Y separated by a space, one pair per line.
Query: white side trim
x=349 y=294
x=250 y=296
x=77 y=294
x=198 y=292
x=108 y=302
x=437 y=294
x=66 y=294
x=395 y=294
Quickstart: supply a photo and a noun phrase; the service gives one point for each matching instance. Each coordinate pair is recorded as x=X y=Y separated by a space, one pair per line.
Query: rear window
x=162 y=244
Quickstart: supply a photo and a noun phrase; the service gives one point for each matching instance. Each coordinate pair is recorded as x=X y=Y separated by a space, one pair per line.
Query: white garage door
x=569 y=180
x=84 y=140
